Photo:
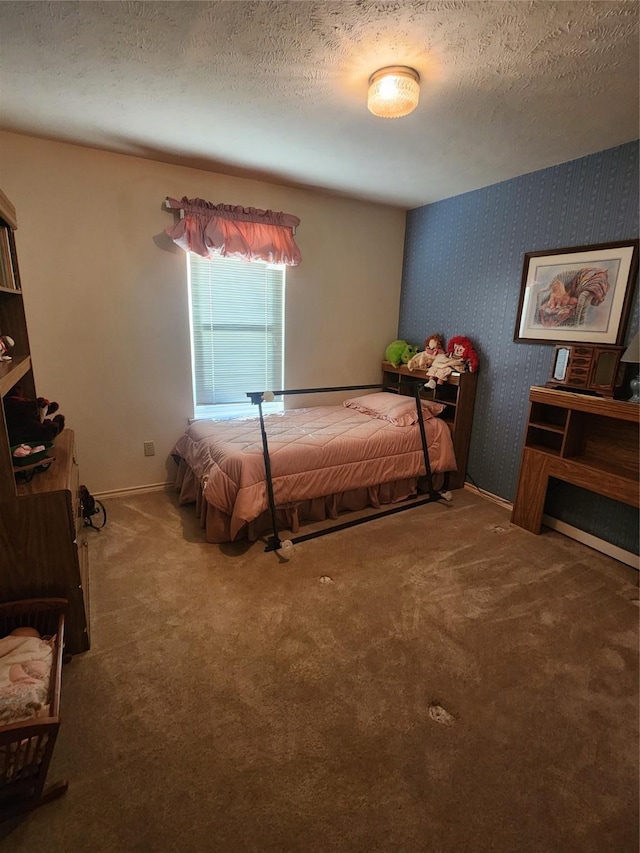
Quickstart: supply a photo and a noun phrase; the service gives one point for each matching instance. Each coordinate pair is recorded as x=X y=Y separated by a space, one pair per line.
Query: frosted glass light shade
x=393 y=91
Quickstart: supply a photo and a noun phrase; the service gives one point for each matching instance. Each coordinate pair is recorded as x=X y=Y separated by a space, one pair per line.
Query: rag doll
x=460 y=356
x=433 y=346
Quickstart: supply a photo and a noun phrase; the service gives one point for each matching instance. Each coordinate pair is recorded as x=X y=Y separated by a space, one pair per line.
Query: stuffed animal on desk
x=26 y=419
x=460 y=356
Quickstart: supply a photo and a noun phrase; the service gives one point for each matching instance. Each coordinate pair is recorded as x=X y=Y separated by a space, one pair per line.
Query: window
x=237 y=333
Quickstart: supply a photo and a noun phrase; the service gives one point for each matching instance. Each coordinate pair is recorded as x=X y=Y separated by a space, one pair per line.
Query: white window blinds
x=237 y=333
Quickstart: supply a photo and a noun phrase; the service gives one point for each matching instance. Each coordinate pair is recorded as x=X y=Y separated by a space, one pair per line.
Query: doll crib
x=26 y=746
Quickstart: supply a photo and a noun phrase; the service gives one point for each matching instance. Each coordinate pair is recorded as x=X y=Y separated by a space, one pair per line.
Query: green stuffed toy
x=399 y=352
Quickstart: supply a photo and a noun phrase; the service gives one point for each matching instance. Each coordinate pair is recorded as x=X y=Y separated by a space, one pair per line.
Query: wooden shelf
x=547 y=427
x=403 y=370
x=458 y=394
x=593 y=465
x=12 y=372
x=543 y=448
x=606 y=407
x=597 y=449
x=42 y=552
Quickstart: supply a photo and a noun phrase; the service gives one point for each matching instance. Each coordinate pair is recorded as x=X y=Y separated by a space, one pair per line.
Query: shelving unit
x=458 y=395
x=547 y=428
x=44 y=552
x=589 y=441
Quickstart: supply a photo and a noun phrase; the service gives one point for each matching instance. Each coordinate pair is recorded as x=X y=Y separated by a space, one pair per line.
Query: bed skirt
x=292 y=515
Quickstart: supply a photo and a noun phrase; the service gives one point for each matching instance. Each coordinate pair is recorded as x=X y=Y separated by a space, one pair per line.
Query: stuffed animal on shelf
x=399 y=352
x=460 y=356
x=27 y=419
x=433 y=346
x=6 y=343
x=408 y=353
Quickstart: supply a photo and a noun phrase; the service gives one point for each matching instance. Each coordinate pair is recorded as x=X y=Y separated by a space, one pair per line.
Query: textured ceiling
x=277 y=90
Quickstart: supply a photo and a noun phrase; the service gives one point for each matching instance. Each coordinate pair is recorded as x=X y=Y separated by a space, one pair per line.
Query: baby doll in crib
x=25 y=670
x=460 y=356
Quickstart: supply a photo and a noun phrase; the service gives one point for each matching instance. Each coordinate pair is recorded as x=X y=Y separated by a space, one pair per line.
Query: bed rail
x=274 y=543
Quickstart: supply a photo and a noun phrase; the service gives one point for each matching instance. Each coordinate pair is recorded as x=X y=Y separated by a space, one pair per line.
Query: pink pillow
x=394 y=408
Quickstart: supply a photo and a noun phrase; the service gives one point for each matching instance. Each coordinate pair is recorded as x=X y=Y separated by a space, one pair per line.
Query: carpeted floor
x=438 y=680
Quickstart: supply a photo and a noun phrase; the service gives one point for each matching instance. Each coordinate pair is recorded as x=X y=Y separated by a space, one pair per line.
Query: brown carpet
x=438 y=680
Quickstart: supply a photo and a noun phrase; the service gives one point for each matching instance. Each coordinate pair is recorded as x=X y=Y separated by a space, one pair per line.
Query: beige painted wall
x=106 y=294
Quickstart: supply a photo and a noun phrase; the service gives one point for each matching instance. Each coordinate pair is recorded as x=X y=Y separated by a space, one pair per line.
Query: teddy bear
x=399 y=352
x=433 y=346
x=460 y=356
x=27 y=419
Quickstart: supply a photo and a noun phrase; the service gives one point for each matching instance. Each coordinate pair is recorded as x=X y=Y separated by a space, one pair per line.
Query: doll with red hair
x=460 y=356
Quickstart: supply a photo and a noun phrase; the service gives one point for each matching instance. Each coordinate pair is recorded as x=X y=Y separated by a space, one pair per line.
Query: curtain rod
x=228 y=211
x=169 y=206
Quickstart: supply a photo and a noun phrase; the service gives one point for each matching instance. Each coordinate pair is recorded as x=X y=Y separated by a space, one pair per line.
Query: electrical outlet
x=149 y=448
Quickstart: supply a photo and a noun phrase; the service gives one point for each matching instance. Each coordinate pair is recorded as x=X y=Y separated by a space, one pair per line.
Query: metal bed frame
x=274 y=543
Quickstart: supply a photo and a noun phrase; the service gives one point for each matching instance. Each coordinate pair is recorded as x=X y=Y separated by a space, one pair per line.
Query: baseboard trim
x=134 y=490
x=627 y=557
x=496 y=499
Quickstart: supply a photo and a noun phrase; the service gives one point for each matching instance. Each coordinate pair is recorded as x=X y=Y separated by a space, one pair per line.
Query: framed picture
x=577 y=295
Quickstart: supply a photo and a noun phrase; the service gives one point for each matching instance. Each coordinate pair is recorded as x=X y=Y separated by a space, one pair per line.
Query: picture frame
x=580 y=294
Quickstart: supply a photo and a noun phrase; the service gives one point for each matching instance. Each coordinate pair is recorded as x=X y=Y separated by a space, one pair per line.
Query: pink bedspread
x=314 y=452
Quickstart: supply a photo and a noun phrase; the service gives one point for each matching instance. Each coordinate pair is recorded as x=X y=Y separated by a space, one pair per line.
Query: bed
x=324 y=460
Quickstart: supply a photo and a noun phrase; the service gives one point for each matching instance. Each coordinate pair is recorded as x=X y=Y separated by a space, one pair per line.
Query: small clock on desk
x=586 y=368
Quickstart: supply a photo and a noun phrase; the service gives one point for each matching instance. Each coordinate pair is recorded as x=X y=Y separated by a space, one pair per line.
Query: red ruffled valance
x=231 y=231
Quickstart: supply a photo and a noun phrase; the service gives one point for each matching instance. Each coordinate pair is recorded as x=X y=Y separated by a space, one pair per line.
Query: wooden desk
x=588 y=441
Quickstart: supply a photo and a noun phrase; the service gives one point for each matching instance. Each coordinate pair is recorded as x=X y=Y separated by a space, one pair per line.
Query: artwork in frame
x=577 y=295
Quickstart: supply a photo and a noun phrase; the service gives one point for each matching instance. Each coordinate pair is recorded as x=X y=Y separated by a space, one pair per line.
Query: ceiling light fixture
x=393 y=91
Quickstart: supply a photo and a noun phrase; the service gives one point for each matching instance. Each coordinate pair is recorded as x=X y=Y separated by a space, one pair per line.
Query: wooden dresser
x=42 y=550
x=589 y=441
x=45 y=552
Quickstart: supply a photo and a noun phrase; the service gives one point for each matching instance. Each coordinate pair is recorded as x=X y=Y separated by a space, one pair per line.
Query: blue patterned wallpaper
x=462 y=274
